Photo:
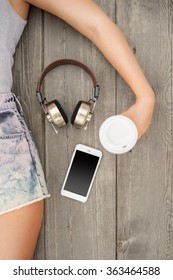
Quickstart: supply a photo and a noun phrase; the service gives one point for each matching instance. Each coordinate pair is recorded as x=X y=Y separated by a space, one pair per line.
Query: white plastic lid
x=118 y=134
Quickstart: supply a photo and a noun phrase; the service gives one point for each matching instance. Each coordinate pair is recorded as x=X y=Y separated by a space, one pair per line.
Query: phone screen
x=81 y=173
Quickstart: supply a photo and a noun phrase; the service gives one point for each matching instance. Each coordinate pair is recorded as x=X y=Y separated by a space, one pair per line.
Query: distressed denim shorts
x=22 y=179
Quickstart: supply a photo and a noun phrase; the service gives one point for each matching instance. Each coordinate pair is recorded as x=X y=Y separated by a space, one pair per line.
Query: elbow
x=99 y=28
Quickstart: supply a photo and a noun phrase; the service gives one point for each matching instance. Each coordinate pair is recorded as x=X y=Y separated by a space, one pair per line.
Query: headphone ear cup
x=80 y=114
x=61 y=111
x=75 y=112
x=56 y=114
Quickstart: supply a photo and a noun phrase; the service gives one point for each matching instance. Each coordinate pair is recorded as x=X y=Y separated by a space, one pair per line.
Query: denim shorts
x=22 y=179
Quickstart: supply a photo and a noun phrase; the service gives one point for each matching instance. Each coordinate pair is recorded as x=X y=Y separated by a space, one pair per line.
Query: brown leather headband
x=64 y=62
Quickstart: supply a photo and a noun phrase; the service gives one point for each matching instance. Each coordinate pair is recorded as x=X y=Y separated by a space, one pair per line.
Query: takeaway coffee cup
x=118 y=134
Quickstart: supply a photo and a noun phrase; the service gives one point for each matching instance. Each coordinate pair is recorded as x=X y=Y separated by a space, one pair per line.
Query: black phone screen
x=81 y=173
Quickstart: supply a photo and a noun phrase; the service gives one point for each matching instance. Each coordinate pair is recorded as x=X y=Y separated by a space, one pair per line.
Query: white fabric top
x=11 y=28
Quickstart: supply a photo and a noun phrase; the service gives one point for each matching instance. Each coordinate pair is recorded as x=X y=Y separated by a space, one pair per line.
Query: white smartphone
x=81 y=172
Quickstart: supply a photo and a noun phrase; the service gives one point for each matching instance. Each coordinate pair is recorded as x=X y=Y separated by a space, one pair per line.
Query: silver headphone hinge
x=53 y=110
x=93 y=106
x=42 y=101
x=96 y=92
x=52 y=124
x=39 y=97
x=43 y=107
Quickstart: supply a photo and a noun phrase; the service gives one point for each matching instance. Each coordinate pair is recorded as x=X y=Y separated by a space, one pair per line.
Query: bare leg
x=19 y=231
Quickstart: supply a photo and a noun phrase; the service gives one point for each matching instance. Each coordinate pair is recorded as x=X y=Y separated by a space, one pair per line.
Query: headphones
x=55 y=114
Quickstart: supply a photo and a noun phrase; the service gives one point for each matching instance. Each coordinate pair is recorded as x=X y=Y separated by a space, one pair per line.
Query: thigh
x=22 y=179
x=19 y=232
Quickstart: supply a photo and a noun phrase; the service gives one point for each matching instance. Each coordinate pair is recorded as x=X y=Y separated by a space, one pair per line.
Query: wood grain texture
x=75 y=230
x=129 y=212
x=144 y=181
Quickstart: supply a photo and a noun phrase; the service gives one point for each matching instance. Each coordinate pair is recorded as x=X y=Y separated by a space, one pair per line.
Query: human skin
x=18 y=242
x=88 y=18
x=19 y=232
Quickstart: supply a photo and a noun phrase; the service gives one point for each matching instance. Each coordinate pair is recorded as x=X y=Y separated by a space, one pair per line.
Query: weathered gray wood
x=75 y=230
x=144 y=176
x=140 y=181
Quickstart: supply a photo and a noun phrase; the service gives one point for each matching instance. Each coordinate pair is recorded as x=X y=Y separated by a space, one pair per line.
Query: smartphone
x=81 y=172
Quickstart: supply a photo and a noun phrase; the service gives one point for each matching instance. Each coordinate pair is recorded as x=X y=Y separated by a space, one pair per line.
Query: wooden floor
x=129 y=214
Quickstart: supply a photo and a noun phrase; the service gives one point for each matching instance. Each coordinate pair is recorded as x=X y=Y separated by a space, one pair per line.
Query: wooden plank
x=27 y=67
x=145 y=175
x=75 y=230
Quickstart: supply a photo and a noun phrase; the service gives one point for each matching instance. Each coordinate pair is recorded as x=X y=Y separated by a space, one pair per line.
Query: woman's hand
x=141 y=113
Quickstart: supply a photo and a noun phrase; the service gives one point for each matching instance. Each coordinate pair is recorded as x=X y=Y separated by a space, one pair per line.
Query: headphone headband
x=53 y=110
x=65 y=62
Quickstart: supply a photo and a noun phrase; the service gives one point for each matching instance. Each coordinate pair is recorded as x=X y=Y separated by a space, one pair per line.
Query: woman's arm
x=91 y=21
x=21 y=7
